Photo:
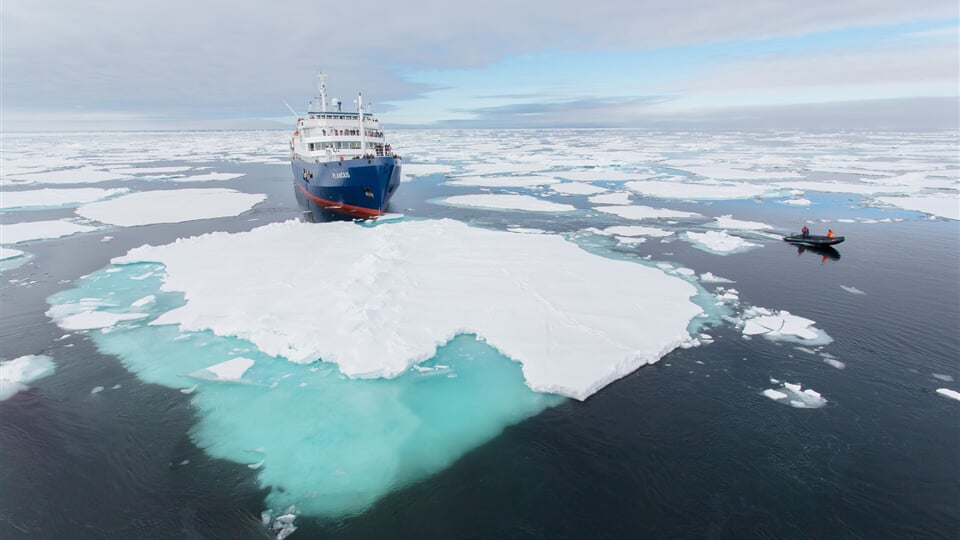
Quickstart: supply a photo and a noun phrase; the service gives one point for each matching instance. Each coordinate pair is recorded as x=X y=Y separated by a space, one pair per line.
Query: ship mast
x=322 y=85
x=363 y=137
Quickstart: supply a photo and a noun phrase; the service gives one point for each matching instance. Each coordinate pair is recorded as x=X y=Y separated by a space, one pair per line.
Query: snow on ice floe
x=796 y=202
x=620 y=198
x=148 y=171
x=946 y=206
x=727 y=172
x=698 y=190
x=598 y=174
x=207 y=177
x=504 y=168
x=80 y=175
x=577 y=188
x=503 y=181
x=633 y=230
x=47 y=198
x=403 y=291
x=946 y=392
x=726 y=221
x=15 y=233
x=17 y=374
x=718 y=242
x=170 y=206
x=506 y=201
x=794 y=395
x=640 y=212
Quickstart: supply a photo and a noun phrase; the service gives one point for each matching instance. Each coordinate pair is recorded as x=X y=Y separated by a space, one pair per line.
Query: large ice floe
x=14 y=233
x=678 y=189
x=170 y=206
x=402 y=345
x=51 y=198
x=17 y=374
x=506 y=201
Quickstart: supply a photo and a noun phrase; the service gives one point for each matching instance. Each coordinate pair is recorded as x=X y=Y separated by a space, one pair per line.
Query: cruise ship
x=341 y=161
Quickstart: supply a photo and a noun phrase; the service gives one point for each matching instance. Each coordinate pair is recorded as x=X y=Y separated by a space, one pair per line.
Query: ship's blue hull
x=354 y=187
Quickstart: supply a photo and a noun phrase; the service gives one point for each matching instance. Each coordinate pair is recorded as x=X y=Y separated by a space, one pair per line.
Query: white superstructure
x=336 y=135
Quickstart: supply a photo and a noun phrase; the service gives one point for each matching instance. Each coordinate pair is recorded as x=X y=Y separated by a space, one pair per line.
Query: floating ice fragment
x=16 y=374
x=726 y=221
x=620 y=198
x=639 y=212
x=945 y=206
x=774 y=394
x=782 y=326
x=946 y=392
x=708 y=277
x=832 y=360
x=230 y=371
x=190 y=390
x=144 y=301
x=7 y=253
x=14 y=233
x=945 y=378
x=96 y=390
x=55 y=197
x=507 y=202
x=91 y=320
x=697 y=190
x=719 y=242
x=798 y=397
x=578 y=188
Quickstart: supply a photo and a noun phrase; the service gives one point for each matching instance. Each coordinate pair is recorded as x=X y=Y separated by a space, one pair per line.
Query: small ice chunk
x=852 y=290
x=952 y=394
x=798 y=397
x=719 y=242
x=230 y=371
x=91 y=320
x=96 y=390
x=144 y=301
x=774 y=394
x=945 y=378
x=708 y=277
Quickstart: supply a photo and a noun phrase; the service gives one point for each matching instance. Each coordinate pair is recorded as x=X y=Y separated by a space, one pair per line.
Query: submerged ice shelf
x=409 y=320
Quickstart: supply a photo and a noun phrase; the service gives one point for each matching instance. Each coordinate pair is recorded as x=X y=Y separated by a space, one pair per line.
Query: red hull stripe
x=340 y=207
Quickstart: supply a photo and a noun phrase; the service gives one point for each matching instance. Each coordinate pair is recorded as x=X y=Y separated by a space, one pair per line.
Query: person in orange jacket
x=830 y=233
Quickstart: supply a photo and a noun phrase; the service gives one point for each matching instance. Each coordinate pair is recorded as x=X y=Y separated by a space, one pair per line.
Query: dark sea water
x=685 y=448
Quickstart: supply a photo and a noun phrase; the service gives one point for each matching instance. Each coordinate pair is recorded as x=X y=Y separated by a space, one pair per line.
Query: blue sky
x=100 y=64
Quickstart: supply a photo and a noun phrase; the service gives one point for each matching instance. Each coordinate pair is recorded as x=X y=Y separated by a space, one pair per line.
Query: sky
x=678 y=64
